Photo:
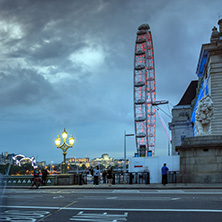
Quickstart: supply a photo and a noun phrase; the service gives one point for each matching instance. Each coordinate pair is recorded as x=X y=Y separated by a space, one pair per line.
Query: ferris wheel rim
x=144 y=109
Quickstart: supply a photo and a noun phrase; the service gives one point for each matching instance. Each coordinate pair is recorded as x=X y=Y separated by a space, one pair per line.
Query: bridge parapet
x=23 y=180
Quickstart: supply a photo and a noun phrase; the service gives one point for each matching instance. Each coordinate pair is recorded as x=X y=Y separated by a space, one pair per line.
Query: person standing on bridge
x=104 y=173
x=164 y=170
x=96 y=174
x=44 y=175
x=110 y=175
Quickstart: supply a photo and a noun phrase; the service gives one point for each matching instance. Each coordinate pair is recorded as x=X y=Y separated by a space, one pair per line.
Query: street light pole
x=64 y=147
x=51 y=166
x=125 y=135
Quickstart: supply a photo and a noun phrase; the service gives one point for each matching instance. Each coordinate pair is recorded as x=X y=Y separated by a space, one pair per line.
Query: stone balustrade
x=23 y=180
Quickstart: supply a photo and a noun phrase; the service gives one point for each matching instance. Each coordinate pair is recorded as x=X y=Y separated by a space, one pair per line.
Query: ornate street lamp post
x=64 y=147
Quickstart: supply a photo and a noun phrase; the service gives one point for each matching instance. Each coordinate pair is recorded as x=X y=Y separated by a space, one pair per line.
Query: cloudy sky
x=69 y=64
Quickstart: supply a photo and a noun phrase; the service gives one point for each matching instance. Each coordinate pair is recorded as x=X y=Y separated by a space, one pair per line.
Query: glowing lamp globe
x=57 y=141
x=64 y=134
x=71 y=140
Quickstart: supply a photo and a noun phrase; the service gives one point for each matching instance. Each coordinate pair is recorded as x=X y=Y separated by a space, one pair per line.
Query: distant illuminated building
x=5 y=158
x=79 y=161
x=105 y=160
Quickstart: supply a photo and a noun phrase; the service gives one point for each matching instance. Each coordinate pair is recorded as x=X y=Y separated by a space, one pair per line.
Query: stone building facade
x=181 y=125
x=201 y=160
x=209 y=72
x=201 y=154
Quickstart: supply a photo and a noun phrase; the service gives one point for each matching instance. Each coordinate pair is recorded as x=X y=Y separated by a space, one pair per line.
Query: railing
x=132 y=178
x=83 y=178
x=119 y=178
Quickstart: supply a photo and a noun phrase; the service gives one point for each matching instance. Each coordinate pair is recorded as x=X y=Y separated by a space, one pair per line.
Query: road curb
x=127 y=187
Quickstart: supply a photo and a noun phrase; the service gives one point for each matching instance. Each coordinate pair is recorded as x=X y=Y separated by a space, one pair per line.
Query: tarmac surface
x=120 y=202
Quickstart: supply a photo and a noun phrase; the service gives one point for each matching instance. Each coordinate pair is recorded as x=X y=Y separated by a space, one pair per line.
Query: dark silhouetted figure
x=164 y=170
x=110 y=175
x=104 y=176
x=44 y=175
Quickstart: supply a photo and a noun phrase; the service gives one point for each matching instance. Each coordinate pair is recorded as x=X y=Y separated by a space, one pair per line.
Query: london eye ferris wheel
x=144 y=92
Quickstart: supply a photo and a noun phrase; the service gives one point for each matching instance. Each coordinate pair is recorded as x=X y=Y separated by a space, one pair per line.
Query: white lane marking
x=138 y=198
x=103 y=217
x=92 y=197
x=170 y=191
x=63 y=191
x=115 y=209
x=148 y=198
x=126 y=191
x=58 y=197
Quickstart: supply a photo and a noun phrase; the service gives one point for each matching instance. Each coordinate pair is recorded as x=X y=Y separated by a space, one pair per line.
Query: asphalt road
x=111 y=205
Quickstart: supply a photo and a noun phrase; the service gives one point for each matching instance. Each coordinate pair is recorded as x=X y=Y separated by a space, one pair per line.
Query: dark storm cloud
x=23 y=87
x=70 y=63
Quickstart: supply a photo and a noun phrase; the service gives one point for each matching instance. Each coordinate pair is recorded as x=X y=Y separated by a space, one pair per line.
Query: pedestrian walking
x=36 y=181
x=110 y=176
x=164 y=170
x=96 y=174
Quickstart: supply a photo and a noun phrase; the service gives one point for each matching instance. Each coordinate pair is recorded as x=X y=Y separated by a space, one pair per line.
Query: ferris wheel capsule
x=144 y=92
